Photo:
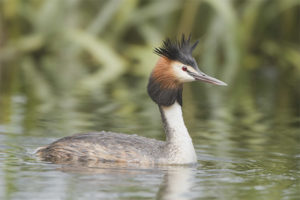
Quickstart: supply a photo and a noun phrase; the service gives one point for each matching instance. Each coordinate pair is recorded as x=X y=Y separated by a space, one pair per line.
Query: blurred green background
x=74 y=57
x=50 y=50
x=69 y=66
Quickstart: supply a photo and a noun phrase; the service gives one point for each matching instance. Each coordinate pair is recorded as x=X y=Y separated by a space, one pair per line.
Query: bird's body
x=103 y=147
x=175 y=66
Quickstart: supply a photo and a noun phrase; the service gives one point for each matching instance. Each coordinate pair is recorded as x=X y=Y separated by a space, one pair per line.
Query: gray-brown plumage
x=102 y=147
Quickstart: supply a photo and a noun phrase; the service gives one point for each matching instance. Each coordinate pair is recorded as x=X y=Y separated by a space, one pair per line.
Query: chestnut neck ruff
x=163 y=87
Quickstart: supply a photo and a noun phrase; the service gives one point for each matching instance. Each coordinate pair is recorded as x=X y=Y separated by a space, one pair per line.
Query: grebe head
x=175 y=66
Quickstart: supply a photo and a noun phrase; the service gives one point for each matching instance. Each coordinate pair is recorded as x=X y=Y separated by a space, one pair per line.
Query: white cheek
x=183 y=76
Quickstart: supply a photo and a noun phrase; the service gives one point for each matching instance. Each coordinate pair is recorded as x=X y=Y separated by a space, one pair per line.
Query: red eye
x=184 y=68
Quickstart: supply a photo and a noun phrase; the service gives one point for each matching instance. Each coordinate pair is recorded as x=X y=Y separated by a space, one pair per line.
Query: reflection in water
x=177 y=184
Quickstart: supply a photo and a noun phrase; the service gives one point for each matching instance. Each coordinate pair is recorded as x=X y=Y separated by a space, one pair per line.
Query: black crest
x=180 y=50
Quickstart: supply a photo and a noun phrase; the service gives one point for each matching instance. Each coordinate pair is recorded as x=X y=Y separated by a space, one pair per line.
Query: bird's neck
x=178 y=140
x=179 y=148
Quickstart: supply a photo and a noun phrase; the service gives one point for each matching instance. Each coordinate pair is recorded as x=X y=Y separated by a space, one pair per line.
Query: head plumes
x=179 y=50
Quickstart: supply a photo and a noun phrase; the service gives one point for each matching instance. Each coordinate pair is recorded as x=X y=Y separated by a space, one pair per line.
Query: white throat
x=179 y=143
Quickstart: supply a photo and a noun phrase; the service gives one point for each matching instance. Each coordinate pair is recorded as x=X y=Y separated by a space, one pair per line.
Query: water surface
x=249 y=154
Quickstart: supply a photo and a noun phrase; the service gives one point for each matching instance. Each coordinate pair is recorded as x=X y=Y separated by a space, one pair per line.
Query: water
x=244 y=152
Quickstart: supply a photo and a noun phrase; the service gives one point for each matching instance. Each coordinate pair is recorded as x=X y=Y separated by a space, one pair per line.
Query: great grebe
x=175 y=66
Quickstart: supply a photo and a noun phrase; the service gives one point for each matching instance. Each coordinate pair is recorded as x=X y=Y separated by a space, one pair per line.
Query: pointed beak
x=200 y=76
